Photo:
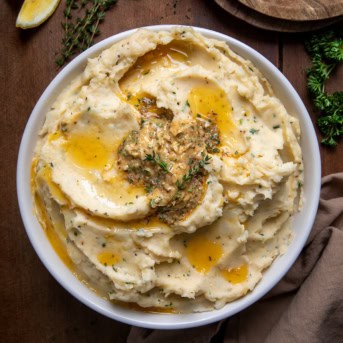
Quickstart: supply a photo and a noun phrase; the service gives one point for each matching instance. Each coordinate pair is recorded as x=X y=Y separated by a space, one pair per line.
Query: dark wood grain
x=34 y=307
x=267 y=22
x=297 y=9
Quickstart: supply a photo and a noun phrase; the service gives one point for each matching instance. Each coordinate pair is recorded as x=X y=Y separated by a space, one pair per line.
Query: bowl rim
x=149 y=320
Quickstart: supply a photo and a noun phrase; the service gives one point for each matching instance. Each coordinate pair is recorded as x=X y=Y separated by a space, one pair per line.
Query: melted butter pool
x=108 y=258
x=88 y=151
x=210 y=102
x=46 y=174
x=96 y=154
x=176 y=53
x=203 y=253
x=236 y=275
x=50 y=230
x=144 y=102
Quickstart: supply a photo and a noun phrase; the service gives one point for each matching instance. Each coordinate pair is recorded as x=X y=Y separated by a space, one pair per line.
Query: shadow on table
x=24 y=35
x=15 y=4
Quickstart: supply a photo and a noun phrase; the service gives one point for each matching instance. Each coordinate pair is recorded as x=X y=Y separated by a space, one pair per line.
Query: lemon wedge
x=35 y=12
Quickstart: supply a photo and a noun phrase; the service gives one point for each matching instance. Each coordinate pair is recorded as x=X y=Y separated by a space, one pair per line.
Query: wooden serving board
x=297 y=9
x=267 y=22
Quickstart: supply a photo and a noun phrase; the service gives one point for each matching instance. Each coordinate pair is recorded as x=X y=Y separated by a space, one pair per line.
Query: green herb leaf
x=195 y=169
x=326 y=51
x=157 y=159
x=253 y=131
x=82 y=19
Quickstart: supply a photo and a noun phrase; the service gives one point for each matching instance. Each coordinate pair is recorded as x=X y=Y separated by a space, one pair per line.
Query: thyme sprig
x=326 y=51
x=196 y=168
x=157 y=159
x=81 y=25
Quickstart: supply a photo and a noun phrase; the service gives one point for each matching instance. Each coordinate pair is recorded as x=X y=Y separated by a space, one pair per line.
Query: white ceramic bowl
x=302 y=223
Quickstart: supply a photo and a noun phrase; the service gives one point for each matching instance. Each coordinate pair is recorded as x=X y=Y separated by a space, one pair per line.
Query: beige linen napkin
x=305 y=306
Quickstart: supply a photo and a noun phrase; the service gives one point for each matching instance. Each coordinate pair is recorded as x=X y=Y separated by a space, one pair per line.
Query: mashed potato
x=167 y=173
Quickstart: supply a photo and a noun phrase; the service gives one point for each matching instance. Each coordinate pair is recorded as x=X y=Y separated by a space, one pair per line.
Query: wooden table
x=34 y=307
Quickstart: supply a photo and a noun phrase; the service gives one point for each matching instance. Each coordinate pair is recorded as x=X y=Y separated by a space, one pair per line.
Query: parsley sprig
x=81 y=25
x=326 y=51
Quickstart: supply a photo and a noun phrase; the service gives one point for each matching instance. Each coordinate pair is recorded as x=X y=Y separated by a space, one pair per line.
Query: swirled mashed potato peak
x=167 y=173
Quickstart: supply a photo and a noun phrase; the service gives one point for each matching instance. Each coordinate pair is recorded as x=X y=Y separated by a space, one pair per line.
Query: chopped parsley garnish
x=185 y=105
x=149 y=188
x=253 y=131
x=153 y=203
